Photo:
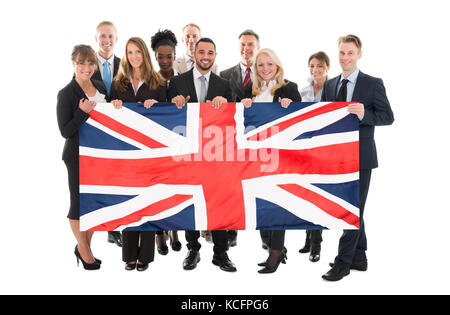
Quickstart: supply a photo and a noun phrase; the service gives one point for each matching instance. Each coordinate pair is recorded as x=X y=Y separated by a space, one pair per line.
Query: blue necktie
x=107 y=76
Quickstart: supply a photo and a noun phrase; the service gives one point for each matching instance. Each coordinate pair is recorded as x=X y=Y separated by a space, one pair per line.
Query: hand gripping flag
x=236 y=168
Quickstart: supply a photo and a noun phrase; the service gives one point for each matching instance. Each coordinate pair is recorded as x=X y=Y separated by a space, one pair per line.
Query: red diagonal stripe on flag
x=275 y=129
x=323 y=203
x=151 y=210
x=125 y=130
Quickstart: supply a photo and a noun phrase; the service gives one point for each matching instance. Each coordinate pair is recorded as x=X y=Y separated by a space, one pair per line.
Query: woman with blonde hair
x=137 y=82
x=270 y=86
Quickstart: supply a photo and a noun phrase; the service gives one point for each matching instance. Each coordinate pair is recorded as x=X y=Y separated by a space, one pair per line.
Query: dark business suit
x=70 y=119
x=138 y=245
x=234 y=76
x=369 y=91
x=184 y=85
x=275 y=239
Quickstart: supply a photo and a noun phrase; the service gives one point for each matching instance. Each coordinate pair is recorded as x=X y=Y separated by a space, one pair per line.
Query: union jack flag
x=236 y=168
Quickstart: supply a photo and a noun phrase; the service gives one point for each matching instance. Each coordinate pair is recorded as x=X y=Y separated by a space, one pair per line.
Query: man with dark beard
x=200 y=84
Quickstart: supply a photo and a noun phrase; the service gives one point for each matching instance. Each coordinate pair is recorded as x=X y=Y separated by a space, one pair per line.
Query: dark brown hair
x=84 y=52
x=322 y=57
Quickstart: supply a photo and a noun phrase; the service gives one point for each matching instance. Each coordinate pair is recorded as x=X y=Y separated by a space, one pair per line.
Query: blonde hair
x=279 y=76
x=350 y=39
x=149 y=75
x=106 y=23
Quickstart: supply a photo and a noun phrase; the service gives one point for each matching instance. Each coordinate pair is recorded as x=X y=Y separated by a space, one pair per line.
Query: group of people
x=258 y=77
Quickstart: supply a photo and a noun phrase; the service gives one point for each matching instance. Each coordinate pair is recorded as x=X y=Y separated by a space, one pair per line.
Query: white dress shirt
x=188 y=61
x=307 y=92
x=98 y=97
x=266 y=96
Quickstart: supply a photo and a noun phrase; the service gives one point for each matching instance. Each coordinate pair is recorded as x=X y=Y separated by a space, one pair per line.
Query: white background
x=407 y=213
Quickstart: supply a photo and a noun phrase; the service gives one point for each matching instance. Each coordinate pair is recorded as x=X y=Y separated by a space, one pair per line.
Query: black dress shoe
x=315 y=254
x=176 y=246
x=305 y=249
x=191 y=260
x=142 y=267
x=336 y=273
x=357 y=265
x=130 y=266
x=224 y=262
x=163 y=250
x=115 y=237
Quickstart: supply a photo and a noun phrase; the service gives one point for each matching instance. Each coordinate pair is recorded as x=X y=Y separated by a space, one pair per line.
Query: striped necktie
x=247 y=78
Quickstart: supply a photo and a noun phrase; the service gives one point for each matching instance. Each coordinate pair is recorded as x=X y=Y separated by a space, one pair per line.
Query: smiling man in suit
x=108 y=65
x=373 y=109
x=200 y=84
x=240 y=76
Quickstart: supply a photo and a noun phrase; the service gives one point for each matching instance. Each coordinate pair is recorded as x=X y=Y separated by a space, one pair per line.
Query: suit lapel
x=116 y=66
x=211 y=87
x=359 y=83
x=78 y=90
x=237 y=81
x=190 y=86
x=334 y=87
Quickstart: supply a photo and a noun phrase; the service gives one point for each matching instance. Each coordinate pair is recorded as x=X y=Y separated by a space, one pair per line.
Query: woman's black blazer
x=290 y=90
x=143 y=94
x=71 y=117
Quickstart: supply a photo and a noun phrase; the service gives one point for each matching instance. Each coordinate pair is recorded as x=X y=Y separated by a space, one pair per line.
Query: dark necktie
x=247 y=78
x=342 y=95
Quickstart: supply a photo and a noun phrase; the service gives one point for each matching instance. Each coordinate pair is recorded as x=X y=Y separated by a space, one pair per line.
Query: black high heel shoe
x=271 y=269
x=94 y=266
x=263 y=264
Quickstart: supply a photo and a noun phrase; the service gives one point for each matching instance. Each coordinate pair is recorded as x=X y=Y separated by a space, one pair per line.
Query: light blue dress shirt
x=350 y=84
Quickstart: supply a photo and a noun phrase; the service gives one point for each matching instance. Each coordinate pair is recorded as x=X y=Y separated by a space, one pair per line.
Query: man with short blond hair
x=372 y=109
x=108 y=65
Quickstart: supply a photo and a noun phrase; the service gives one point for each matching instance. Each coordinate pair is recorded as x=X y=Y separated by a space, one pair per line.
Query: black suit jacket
x=369 y=91
x=290 y=90
x=234 y=76
x=183 y=84
x=71 y=117
x=144 y=93
x=98 y=75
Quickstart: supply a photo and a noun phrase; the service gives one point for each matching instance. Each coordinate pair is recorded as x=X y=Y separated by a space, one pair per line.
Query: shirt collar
x=102 y=60
x=197 y=74
x=352 y=77
x=272 y=83
x=244 y=68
